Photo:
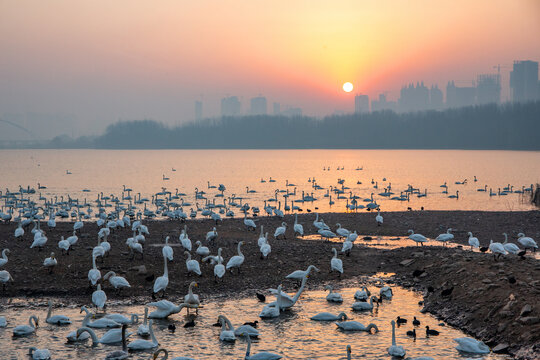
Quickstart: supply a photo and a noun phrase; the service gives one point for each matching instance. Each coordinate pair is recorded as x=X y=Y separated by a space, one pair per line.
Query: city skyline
x=94 y=63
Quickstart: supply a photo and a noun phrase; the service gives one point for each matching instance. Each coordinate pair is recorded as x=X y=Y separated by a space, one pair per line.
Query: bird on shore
x=379 y=218
x=445 y=237
x=497 y=249
x=50 y=262
x=510 y=247
x=418 y=238
x=298 y=228
x=192 y=265
x=336 y=264
x=4 y=258
x=527 y=242
x=473 y=241
x=237 y=260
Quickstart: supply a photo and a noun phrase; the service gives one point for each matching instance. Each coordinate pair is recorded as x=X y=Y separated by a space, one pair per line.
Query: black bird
x=401 y=321
x=430 y=289
x=417 y=273
x=217 y=324
x=416 y=322
x=484 y=249
x=511 y=279
x=447 y=292
x=431 y=332
x=521 y=254
x=253 y=324
x=261 y=297
x=172 y=327
x=191 y=323
x=150 y=277
x=412 y=333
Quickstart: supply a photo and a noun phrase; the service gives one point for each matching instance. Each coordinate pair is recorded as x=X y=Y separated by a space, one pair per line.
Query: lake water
x=293 y=335
x=143 y=171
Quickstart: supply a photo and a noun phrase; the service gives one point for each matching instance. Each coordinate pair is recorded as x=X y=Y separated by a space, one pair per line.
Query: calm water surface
x=292 y=335
x=143 y=170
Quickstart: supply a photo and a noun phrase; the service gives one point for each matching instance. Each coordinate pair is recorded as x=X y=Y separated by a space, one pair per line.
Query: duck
x=258 y=356
x=39 y=354
x=445 y=237
x=326 y=316
x=143 y=330
x=99 y=298
x=395 y=350
x=164 y=308
x=56 y=319
x=237 y=260
x=473 y=241
x=510 y=247
x=411 y=333
x=401 y=320
x=418 y=238
x=50 y=262
x=356 y=326
x=471 y=346
x=140 y=344
x=431 y=332
x=4 y=258
x=363 y=306
x=416 y=322
x=24 y=330
x=333 y=296
x=336 y=264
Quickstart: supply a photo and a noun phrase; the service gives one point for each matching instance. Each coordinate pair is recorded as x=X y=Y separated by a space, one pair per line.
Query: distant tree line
x=508 y=126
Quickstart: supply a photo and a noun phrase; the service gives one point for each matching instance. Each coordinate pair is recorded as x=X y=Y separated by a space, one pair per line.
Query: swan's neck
x=94 y=262
x=299 y=292
x=240 y=251
x=393 y=335
x=249 y=346
x=152 y=336
x=93 y=335
x=49 y=312
x=145 y=315
x=35 y=321
x=165 y=269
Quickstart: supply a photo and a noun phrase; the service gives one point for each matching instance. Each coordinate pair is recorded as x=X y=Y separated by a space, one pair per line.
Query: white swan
x=336 y=264
x=121 y=319
x=379 y=218
x=471 y=346
x=39 y=241
x=227 y=330
x=212 y=235
x=356 y=326
x=3 y=322
x=280 y=231
x=259 y=356
x=473 y=241
x=219 y=268
x=166 y=356
x=262 y=238
x=192 y=265
x=326 y=316
x=527 y=242
x=288 y=301
x=19 y=231
x=39 y=354
x=201 y=250
x=250 y=224
x=99 y=298
x=191 y=299
x=162 y=282
x=140 y=344
x=64 y=245
x=5 y=276
x=347 y=247
x=272 y=310
x=418 y=238
x=342 y=232
x=143 y=330
x=298 y=228
x=113 y=336
x=118 y=282
x=332 y=296
x=245 y=329
x=395 y=350
x=99 y=323
x=4 y=258
x=237 y=260
x=362 y=295
x=265 y=249
x=94 y=274
x=56 y=319
x=73 y=239
x=386 y=292
x=165 y=308
x=362 y=305
x=446 y=236
x=120 y=354
x=326 y=234
x=185 y=241
x=510 y=247
x=320 y=225
x=301 y=274
x=352 y=236
x=497 y=248
x=167 y=251
x=23 y=330
x=50 y=262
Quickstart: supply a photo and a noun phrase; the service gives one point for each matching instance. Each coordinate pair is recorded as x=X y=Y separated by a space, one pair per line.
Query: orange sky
x=103 y=60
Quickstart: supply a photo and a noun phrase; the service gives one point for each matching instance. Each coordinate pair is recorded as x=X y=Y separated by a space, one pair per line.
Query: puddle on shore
x=293 y=335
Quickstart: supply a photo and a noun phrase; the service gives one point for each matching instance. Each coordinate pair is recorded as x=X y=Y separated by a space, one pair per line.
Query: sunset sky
x=104 y=60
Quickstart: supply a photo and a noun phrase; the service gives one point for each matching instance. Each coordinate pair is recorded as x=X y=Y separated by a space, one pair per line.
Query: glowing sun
x=347 y=87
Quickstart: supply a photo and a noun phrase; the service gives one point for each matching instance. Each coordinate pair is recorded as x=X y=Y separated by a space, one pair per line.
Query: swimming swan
x=356 y=326
x=395 y=350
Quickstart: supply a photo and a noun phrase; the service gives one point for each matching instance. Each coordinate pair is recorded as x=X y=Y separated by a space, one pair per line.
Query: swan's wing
x=162 y=304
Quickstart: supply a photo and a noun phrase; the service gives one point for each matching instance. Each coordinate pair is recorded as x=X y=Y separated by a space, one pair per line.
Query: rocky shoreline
x=493 y=300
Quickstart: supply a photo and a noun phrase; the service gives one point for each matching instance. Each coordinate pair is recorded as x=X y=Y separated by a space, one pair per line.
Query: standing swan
x=394 y=350
x=143 y=328
x=298 y=228
x=418 y=238
x=473 y=241
x=336 y=264
x=94 y=274
x=237 y=260
x=510 y=247
x=192 y=265
x=4 y=258
x=161 y=282
x=219 y=268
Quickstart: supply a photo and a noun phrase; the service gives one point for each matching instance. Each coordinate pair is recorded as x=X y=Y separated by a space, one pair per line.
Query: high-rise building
x=258 y=106
x=277 y=108
x=457 y=96
x=361 y=104
x=414 y=98
x=435 y=98
x=198 y=110
x=524 y=81
x=230 y=106
x=383 y=104
x=488 y=89
x=292 y=112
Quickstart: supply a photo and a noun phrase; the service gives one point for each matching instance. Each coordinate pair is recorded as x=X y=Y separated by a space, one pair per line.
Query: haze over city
x=88 y=64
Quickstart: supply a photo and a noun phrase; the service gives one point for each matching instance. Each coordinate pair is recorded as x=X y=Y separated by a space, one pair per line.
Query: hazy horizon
x=93 y=63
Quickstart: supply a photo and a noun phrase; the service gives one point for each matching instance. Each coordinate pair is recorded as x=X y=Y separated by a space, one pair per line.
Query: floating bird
x=356 y=326
x=395 y=350
x=471 y=346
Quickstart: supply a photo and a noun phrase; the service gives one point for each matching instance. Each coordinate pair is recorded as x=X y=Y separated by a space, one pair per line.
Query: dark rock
x=501 y=348
x=530 y=320
x=525 y=310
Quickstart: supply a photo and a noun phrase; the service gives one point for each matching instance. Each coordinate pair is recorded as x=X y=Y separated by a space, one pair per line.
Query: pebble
x=530 y=320
x=501 y=348
x=525 y=310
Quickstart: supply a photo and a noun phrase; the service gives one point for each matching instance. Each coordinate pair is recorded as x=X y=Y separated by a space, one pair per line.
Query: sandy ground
x=485 y=300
